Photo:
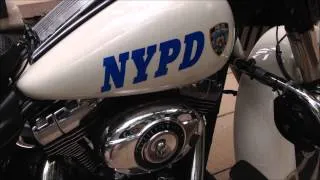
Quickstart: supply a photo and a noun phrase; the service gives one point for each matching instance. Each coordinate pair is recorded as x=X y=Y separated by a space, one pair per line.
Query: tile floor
x=222 y=152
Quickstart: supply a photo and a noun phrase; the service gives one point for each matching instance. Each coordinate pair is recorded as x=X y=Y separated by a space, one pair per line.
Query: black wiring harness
x=279 y=57
x=27 y=44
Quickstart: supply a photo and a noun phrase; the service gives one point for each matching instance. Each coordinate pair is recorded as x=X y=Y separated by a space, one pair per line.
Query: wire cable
x=279 y=57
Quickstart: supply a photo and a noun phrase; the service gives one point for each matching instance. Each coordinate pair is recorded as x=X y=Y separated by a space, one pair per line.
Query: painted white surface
x=74 y=67
x=257 y=139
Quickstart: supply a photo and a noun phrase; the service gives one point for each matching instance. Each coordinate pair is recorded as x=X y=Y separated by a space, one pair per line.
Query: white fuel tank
x=134 y=47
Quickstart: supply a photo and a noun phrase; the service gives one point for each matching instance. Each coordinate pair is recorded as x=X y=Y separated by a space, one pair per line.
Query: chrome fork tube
x=198 y=166
x=305 y=50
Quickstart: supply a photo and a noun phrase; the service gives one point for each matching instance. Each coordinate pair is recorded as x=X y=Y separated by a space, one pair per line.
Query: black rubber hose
x=280 y=63
x=279 y=57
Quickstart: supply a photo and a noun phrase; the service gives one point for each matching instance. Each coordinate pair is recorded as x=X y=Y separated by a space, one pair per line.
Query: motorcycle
x=131 y=90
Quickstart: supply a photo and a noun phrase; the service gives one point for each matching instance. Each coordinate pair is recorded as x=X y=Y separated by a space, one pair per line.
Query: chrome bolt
x=161 y=147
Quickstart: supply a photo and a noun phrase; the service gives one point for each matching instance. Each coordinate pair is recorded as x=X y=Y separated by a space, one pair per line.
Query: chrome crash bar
x=198 y=166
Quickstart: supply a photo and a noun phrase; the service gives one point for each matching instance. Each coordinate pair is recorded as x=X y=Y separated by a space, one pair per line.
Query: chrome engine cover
x=49 y=128
x=150 y=138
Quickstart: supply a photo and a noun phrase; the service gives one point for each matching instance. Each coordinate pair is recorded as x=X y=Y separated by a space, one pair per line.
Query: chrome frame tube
x=198 y=166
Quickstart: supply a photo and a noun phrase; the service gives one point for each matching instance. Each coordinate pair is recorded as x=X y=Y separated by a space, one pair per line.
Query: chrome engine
x=64 y=133
x=62 y=121
x=150 y=138
x=135 y=140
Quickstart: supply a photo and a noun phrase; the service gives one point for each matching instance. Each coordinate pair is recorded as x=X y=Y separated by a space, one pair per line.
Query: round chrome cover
x=150 y=138
x=160 y=147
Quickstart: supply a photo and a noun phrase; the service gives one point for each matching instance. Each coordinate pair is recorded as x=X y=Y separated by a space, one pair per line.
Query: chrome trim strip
x=67 y=28
x=21 y=143
x=59 y=16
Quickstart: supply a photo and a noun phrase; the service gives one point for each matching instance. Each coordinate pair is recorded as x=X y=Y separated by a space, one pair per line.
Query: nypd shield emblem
x=219 y=37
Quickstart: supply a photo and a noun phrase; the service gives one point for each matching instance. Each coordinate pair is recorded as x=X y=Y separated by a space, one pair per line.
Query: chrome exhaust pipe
x=198 y=166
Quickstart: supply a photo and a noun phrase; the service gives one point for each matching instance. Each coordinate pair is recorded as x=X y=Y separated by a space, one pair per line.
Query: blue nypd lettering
x=169 y=51
x=112 y=70
x=173 y=46
x=142 y=63
x=190 y=39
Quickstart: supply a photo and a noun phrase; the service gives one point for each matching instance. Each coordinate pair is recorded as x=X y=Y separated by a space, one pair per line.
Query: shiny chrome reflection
x=62 y=121
x=198 y=166
x=310 y=100
x=52 y=171
x=150 y=138
x=21 y=143
x=305 y=49
x=161 y=147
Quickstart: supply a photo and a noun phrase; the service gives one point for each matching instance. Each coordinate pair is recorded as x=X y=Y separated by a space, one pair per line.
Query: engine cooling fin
x=74 y=145
x=201 y=105
x=63 y=132
x=204 y=96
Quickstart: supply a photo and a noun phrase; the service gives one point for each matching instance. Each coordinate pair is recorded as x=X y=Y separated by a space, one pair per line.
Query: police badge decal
x=219 y=37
